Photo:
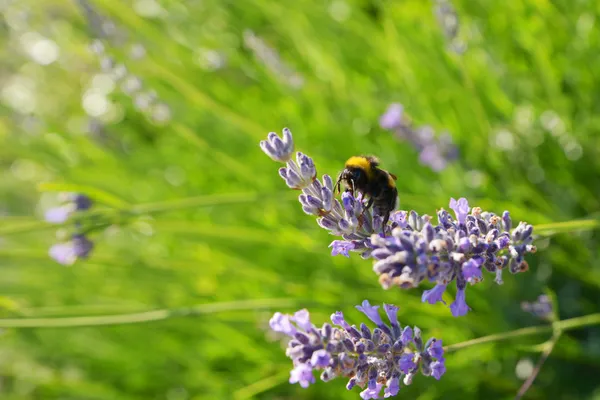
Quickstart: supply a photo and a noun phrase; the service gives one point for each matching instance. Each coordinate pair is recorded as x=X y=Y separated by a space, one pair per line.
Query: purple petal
x=406 y=363
x=434 y=295
x=302 y=319
x=372 y=391
x=392 y=313
x=337 y=318
x=341 y=247
x=302 y=374
x=371 y=312
x=438 y=369
x=393 y=387
x=320 y=359
x=459 y=307
x=407 y=335
x=472 y=271
x=460 y=208
x=281 y=323
x=436 y=350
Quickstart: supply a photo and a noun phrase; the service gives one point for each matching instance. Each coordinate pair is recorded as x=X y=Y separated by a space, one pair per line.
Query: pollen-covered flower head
x=374 y=359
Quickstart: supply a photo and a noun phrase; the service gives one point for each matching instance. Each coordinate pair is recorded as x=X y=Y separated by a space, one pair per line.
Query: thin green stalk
x=566 y=226
x=146 y=316
x=21 y=226
x=564 y=325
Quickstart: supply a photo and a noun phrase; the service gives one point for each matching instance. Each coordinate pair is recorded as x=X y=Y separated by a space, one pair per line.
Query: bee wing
x=394 y=177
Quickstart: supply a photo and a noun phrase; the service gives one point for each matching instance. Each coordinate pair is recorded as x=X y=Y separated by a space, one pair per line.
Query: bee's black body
x=362 y=174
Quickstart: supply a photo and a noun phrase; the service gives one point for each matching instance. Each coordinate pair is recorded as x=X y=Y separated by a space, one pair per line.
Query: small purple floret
x=302 y=319
x=438 y=369
x=434 y=295
x=371 y=312
x=459 y=307
x=302 y=374
x=281 y=323
x=320 y=359
x=392 y=389
x=342 y=247
x=460 y=208
x=392 y=313
x=436 y=350
x=406 y=363
x=372 y=391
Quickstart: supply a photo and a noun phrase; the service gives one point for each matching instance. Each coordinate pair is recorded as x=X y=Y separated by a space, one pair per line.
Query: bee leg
x=366 y=207
x=336 y=188
x=386 y=218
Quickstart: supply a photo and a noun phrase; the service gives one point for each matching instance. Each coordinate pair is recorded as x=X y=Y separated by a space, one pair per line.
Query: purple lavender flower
x=448 y=21
x=279 y=149
x=371 y=359
x=453 y=250
x=71 y=203
x=392 y=118
x=434 y=152
x=541 y=308
x=350 y=221
x=69 y=252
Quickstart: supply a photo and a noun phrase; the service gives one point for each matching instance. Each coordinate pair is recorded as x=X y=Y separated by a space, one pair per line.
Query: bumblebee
x=362 y=174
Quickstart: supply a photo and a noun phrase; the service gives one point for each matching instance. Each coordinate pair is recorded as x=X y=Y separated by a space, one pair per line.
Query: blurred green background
x=155 y=108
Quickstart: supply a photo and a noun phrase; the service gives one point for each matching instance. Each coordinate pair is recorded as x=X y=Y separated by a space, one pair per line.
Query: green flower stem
x=567 y=226
x=113 y=214
x=146 y=316
x=564 y=325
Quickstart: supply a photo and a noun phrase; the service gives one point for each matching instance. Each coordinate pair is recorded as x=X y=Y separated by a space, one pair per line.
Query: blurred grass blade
x=204 y=201
x=567 y=226
x=261 y=386
x=147 y=316
x=96 y=194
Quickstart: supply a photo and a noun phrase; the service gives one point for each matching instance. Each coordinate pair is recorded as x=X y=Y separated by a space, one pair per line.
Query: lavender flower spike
x=372 y=361
x=452 y=250
x=350 y=221
x=279 y=149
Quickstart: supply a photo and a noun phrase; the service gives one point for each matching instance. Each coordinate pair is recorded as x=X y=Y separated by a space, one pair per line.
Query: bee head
x=357 y=173
x=366 y=165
